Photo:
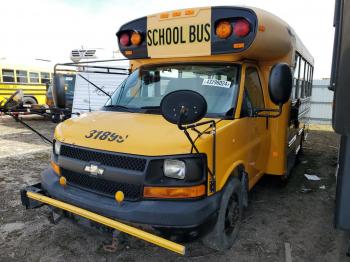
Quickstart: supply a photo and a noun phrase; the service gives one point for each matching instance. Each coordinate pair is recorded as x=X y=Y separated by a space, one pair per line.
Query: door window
x=253 y=89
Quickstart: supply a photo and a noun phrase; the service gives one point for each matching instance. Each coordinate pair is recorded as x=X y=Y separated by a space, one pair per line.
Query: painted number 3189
x=106 y=135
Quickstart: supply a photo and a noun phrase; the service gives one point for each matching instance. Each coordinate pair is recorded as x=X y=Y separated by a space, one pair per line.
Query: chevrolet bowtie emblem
x=94 y=170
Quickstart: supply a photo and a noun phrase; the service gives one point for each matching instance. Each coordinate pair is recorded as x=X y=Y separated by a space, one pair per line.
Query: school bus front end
x=130 y=163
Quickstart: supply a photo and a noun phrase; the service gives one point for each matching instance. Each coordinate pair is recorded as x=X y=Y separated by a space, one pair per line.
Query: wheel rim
x=232 y=215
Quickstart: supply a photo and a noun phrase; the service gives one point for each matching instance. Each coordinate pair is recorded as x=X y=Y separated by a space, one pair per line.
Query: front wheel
x=229 y=220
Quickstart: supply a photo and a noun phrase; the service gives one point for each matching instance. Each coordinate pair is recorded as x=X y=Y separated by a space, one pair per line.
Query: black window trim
x=259 y=76
x=304 y=86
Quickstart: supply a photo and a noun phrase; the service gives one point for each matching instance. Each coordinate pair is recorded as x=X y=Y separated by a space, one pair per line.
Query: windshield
x=145 y=87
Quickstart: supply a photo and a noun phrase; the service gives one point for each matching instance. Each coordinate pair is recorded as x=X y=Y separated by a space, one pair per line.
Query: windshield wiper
x=125 y=108
x=151 y=108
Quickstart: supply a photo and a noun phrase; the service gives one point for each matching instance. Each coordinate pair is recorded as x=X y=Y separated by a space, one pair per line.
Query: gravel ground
x=276 y=214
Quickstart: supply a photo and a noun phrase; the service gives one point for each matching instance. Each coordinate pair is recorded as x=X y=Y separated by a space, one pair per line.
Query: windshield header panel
x=188 y=32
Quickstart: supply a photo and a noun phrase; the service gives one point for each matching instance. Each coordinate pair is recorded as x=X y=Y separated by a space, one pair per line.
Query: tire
x=300 y=153
x=285 y=177
x=229 y=220
x=27 y=100
x=56 y=118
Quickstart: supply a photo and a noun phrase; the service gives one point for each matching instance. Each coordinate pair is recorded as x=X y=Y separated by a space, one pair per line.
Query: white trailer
x=104 y=74
x=87 y=97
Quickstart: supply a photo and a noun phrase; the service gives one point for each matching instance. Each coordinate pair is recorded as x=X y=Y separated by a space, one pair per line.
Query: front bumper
x=156 y=213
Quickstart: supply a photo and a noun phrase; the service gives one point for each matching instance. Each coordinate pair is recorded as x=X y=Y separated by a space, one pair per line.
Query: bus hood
x=132 y=133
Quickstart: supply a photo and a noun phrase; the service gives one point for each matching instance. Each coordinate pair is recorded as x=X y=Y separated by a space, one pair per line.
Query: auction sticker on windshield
x=215 y=82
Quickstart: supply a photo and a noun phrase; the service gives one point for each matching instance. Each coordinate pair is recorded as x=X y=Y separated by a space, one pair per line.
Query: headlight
x=174 y=168
x=57 y=147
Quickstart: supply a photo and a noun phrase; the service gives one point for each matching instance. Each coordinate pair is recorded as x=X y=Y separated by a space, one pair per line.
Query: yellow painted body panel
x=143 y=134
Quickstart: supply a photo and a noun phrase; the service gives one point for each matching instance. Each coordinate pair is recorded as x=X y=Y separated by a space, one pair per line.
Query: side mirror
x=58 y=91
x=183 y=107
x=280 y=83
x=14 y=100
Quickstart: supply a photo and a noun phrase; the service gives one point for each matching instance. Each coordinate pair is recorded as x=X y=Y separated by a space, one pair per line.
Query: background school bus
x=32 y=77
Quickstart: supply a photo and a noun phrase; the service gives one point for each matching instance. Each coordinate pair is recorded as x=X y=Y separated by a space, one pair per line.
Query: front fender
x=230 y=172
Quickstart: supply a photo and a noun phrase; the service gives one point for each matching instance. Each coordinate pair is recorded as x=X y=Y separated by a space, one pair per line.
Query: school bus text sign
x=180 y=36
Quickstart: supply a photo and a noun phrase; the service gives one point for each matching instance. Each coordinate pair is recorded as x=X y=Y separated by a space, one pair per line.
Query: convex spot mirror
x=183 y=107
x=15 y=99
x=58 y=91
x=280 y=83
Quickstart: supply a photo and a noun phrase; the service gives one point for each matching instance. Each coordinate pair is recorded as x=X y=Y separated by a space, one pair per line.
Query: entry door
x=257 y=127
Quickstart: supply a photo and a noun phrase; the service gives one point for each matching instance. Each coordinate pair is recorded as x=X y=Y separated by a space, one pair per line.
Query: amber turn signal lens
x=238 y=45
x=164 y=15
x=176 y=13
x=55 y=168
x=63 y=181
x=119 y=196
x=223 y=29
x=189 y=12
x=174 y=192
x=135 y=38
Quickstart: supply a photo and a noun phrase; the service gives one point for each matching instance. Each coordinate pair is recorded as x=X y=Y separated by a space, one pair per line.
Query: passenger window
x=22 y=76
x=8 y=76
x=296 y=76
x=311 y=77
x=252 y=85
x=301 y=78
x=45 y=77
x=34 y=77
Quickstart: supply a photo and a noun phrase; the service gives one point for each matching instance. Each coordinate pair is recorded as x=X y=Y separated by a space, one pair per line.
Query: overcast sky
x=50 y=29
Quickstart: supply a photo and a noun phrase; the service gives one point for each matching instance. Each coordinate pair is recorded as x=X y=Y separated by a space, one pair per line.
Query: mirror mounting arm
x=186 y=108
x=212 y=123
x=278 y=111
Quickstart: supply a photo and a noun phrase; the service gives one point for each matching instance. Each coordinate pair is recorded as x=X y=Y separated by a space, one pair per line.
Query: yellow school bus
x=143 y=160
x=32 y=80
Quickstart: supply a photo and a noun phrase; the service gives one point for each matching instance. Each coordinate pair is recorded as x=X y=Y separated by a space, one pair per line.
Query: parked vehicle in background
x=32 y=78
x=87 y=97
x=95 y=81
x=69 y=83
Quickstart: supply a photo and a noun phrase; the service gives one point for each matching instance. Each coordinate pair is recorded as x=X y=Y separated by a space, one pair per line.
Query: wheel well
x=32 y=97
x=238 y=172
x=243 y=178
